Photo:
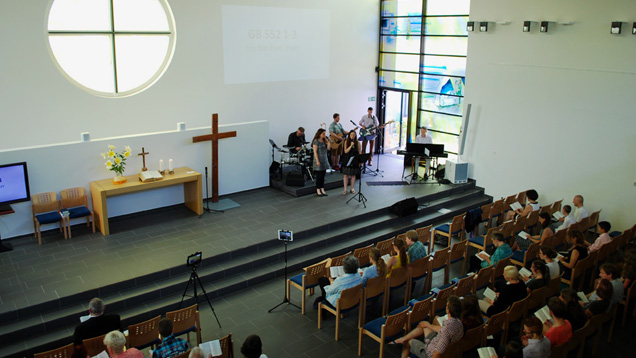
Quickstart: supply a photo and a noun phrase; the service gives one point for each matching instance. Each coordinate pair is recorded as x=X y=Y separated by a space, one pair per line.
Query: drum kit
x=302 y=159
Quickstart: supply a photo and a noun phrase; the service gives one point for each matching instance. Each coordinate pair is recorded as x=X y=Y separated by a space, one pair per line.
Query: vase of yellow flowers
x=116 y=162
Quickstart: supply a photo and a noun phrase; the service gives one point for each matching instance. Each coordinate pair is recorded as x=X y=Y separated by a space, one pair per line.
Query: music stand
x=356 y=161
x=367 y=138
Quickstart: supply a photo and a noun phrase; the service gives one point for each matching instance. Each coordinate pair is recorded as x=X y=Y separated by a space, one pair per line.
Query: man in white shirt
x=368 y=121
x=423 y=138
x=567 y=219
x=580 y=212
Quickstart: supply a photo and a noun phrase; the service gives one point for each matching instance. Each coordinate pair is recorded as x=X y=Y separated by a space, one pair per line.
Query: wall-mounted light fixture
x=470 y=26
x=483 y=26
x=543 y=26
x=526 y=26
x=634 y=29
x=616 y=28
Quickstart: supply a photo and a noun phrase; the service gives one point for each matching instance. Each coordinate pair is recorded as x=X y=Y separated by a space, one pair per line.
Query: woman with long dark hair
x=351 y=149
x=321 y=145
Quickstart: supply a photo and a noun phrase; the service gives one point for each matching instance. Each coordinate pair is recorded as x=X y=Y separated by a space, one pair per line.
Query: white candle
x=170 y=165
x=160 y=165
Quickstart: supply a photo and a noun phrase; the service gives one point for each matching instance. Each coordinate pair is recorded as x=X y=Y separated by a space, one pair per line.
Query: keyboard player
x=423 y=138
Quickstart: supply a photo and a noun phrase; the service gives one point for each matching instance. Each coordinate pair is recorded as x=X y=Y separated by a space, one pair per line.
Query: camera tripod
x=194 y=279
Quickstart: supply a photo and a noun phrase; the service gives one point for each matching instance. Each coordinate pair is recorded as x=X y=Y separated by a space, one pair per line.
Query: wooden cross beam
x=214 y=137
x=143 y=156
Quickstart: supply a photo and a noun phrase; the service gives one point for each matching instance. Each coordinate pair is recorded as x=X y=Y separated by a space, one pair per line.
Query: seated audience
x=603 y=228
x=332 y=288
x=170 y=345
x=629 y=268
x=416 y=250
x=545 y=232
x=536 y=345
x=576 y=253
x=252 y=347
x=513 y=291
x=567 y=219
x=502 y=250
x=399 y=259
x=98 y=324
x=115 y=343
x=377 y=268
x=513 y=349
x=601 y=304
x=531 y=196
x=575 y=312
x=609 y=272
x=436 y=338
x=548 y=255
x=580 y=212
x=540 y=276
x=80 y=352
x=559 y=330
x=471 y=314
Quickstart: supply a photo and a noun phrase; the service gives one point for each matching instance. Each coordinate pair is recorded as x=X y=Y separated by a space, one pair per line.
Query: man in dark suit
x=98 y=323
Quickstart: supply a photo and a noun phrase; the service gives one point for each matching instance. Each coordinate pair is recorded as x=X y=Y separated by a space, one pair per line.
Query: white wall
x=39 y=106
x=555 y=111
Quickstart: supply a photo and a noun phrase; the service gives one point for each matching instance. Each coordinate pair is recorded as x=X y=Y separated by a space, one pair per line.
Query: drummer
x=296 y=140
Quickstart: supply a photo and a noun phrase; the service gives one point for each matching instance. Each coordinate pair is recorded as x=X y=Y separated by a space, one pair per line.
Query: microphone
x=206 y=170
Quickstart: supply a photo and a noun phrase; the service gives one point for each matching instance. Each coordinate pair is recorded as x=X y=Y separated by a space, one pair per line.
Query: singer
x=321 y=145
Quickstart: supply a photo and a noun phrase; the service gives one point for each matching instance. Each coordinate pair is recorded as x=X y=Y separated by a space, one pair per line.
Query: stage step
x=50 y=324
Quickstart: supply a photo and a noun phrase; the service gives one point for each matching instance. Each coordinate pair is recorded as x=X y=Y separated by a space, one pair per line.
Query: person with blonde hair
x=513 y=291
x=115 y=343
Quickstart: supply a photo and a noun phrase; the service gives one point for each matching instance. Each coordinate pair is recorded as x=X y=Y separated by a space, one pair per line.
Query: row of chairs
x=47 y=209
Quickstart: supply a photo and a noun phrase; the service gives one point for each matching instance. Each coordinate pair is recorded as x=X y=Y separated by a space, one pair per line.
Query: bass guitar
x=371 y=130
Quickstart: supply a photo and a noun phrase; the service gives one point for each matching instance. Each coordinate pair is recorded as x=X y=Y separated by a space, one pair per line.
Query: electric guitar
x=371 y=130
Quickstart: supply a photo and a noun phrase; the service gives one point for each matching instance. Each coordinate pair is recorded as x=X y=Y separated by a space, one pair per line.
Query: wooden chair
x=558 y=240
x=592 y=222
x=144 y=334
x=521 y=197
x=424 y=236
x=373 y=289
x=74 y=200
x=458 y=252
x=601 y=320
x=227 y=346
x=532 y=222
x=338 y=260
x=629 y=298
x=455 y=227
x=95 y=345
x=465 y=286
x=519 y=225
x=556 y=206
x=577 y=273
x=439 y=303
x=62 y=352
x=349 y=299
x=384 y=330
x=453 y=350
x=495 y=324
x=485 y=218
x=496 y=213
x=186 y=320
x=46 y=210
x=472 y=338
x=536 y=298
x=484 y=278
x=439 y=262
x=362 y=253
x=508 y=201
x=385 y=246
x=307 y=281
x=545 y=209
x=554 y=286
x=516 y=313
x=483 y=243
x=524 y=258
x=499 y=268
x=396 y=280
x=421 y=311
x=580 y=226
x=419 y=269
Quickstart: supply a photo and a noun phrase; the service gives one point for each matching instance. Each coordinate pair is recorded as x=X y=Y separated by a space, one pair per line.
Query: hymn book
x=480 y=253
x=336 y=271
x=150 y=175
x=583 y=297
x=486 y=352
x=524 y=235
x=102 y=354
x=515 y=206
x=525 y=272
x=558 y=215
x=386 y=257
x=490 y=294
x=212 y=348
x=442 y=319
x=543 y=314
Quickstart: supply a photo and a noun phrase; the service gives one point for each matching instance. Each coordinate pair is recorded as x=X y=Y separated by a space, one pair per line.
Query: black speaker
x=295 y=179
x=404 y=207
x=274 y=167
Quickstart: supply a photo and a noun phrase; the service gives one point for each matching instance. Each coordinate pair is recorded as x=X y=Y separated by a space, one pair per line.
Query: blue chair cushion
x=298 y=279
x=375 y=327
x=456 y=260
x=78 y=212
x=518 y=255
x=50 y=217
x=191 y=329
x=443 y=228
x=479 y=240
x=614 y=233
x=425 y=297
x=440 y=268
x=399 y=309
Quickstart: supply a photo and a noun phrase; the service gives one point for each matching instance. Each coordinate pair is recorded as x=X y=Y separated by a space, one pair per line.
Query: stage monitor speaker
x=274 y=167
x=404 y=207
x=456 y=172
x=295 y=179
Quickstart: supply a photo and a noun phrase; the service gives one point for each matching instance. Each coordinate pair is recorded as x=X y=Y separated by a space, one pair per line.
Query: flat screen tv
x=14 y=183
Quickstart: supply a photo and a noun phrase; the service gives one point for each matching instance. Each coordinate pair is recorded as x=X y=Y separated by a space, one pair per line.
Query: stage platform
x=140 y=272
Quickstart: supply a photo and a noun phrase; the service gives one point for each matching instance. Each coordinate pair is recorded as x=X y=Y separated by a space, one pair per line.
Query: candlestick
x=170 y=168
x=160 y=165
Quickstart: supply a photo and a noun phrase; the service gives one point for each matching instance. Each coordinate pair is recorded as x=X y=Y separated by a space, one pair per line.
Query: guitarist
x=337 y=136
x=371 y=122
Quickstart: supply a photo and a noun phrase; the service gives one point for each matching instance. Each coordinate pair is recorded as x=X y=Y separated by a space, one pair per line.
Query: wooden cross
x=214 y=137
x=143 y=156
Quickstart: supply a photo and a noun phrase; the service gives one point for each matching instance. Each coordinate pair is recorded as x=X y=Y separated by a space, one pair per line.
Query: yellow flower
x=127 y=154
x=117 y=160
x=103 y=155
x=111 y=154
x=109 y=164
x=111 y=147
